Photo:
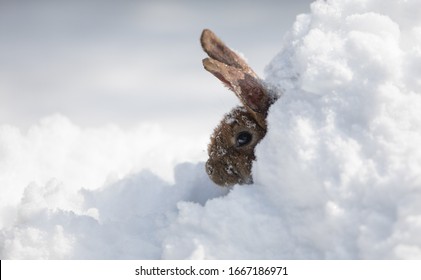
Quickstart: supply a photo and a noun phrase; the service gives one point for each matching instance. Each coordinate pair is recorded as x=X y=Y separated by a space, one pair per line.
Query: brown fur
x=231 y=150
x=228 y=164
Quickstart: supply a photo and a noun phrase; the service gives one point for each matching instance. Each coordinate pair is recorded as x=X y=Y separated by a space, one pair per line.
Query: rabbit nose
x=223 y=174
x=217 y=174
x=209 y=168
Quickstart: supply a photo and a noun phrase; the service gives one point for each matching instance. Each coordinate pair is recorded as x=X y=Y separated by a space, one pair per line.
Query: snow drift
x=338 y=175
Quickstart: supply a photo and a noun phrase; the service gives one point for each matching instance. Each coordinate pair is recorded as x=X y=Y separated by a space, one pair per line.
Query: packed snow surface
x=338 y=175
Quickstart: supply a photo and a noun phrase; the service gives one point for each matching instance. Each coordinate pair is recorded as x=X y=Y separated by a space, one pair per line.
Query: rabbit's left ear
x=248 y=88
x=235 y=73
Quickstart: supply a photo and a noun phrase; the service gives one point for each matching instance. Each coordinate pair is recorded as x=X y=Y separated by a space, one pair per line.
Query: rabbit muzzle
x=224 y=172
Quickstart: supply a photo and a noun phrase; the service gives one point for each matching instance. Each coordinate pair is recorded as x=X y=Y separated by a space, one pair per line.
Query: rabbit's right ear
x=235 y=73
x=217 y=50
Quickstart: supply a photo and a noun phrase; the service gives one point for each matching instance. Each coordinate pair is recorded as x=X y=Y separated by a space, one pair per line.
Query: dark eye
x=243 y=138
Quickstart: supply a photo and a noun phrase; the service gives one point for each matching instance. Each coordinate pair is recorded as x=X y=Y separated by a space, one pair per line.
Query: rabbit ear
x=217 y=50
x=235 y=73
x=248 y=88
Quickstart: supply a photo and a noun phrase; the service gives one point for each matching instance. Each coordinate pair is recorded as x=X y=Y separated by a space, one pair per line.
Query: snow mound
x=338 y=175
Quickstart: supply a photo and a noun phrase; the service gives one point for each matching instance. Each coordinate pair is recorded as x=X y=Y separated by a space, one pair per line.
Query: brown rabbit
x=231 y=150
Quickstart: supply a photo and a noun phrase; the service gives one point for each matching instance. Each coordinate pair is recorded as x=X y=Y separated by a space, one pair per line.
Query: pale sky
x=127 y=62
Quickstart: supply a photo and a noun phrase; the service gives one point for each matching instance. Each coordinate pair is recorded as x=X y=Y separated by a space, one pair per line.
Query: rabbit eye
x=243 y=138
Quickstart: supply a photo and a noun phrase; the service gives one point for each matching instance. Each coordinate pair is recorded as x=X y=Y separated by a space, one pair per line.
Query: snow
x=338 y=175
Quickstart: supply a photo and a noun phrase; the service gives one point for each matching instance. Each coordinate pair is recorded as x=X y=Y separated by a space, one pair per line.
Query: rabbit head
x=231 y=150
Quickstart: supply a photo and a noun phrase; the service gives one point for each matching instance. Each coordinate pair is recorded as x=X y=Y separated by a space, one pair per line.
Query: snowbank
x=338 y=175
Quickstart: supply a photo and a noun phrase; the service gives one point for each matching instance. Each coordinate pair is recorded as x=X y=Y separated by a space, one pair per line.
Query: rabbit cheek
x=234 y=168
x=221 y=173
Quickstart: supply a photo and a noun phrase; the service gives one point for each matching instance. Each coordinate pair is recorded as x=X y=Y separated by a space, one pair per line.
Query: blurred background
x=128 y=62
